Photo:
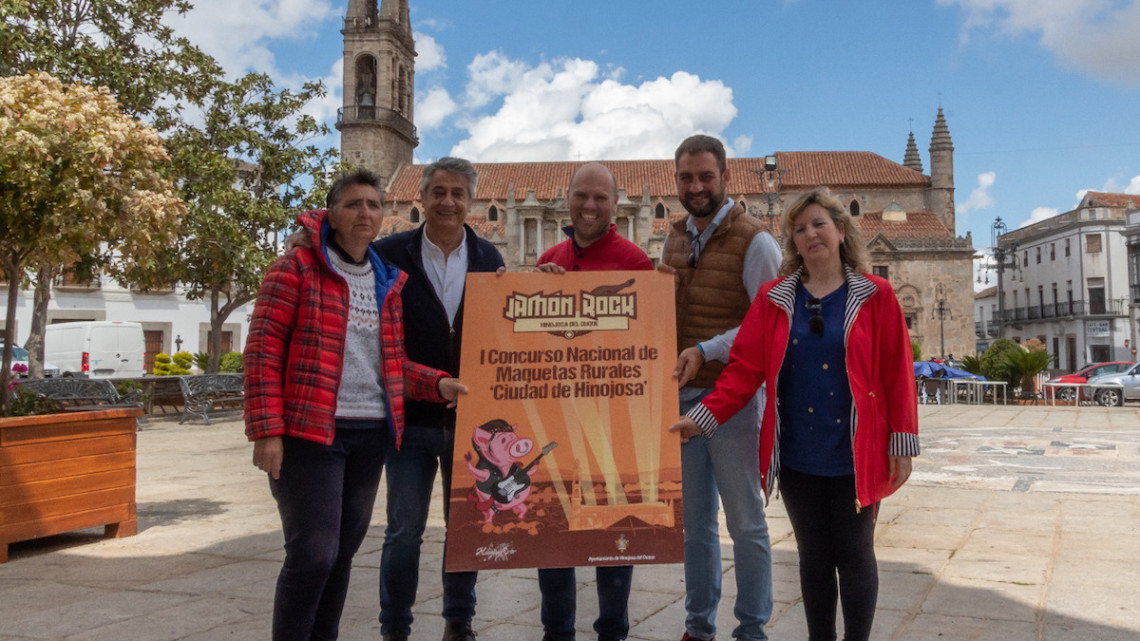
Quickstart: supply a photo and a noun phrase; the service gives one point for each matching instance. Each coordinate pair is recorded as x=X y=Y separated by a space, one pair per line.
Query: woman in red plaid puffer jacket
x=325 y=379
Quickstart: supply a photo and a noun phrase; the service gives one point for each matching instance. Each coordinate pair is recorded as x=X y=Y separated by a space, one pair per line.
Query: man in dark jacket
x=437 y=257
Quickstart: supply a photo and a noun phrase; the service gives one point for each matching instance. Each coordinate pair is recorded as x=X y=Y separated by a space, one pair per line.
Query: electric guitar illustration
x=518 y=480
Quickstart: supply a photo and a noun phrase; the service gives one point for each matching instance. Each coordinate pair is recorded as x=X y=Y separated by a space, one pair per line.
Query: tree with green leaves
x=78 y=180
x=123 y=45
x=243 y=172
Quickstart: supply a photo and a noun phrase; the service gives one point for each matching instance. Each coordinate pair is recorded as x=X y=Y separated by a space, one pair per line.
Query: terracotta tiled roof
x=802 y=169
x=919 y=224
x=394 y=225
x=486 y=229
x=1102 y=199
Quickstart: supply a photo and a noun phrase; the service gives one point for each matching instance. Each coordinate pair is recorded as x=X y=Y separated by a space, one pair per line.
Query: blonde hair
x=852 y=251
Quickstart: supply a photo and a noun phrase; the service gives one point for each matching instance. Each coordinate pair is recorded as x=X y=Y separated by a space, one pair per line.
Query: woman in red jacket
x=840 y=425
x=325 y=380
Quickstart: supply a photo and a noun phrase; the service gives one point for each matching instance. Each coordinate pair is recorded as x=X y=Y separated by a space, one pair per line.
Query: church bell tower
x=375 y=123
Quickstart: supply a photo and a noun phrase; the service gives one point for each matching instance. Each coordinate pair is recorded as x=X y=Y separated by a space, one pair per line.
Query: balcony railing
x=1067 y=309
x=380 y=116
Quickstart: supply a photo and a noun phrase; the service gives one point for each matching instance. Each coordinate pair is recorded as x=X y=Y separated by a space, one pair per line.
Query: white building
x=170 y=322
x=1132 y=234
x=1070 y=287
x=985 y=311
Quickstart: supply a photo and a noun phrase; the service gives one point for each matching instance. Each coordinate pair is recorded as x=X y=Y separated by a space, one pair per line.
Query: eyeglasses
x=694 y=249
x=815 y=323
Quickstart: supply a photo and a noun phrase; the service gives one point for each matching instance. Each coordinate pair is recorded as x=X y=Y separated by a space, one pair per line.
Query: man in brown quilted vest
x=721 y=256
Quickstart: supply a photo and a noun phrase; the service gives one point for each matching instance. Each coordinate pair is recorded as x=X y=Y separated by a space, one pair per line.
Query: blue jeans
x=559 y=602
x=411 y=474
x=325 y=497
x=728 y=464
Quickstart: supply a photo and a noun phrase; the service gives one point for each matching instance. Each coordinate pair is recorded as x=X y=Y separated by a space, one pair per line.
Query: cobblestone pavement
x=1019 y=523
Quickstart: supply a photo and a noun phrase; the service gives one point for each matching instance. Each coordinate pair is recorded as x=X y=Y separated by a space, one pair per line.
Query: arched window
x=659 y=210
x=402 y=91
x=366 y=87
x=854 y=207
x=492 y=213
x=415 y=215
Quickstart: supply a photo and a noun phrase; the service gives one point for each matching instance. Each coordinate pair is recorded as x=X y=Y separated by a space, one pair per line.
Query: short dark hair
x=700 y=144
x=452 y=166
x=355 y=177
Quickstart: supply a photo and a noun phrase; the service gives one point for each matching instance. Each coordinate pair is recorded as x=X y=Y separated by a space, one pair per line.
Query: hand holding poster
x=562 y=455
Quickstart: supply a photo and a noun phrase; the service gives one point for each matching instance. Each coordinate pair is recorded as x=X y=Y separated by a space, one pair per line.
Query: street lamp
x=1005 y=257
x=771 y=179
x=941 y=309
x=178 y=343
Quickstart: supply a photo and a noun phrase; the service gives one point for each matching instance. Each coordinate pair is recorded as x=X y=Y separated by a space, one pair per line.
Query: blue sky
x=1042 y=97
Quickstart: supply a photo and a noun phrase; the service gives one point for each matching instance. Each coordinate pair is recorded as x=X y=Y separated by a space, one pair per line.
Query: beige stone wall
x=374 y=147
x=915 y=278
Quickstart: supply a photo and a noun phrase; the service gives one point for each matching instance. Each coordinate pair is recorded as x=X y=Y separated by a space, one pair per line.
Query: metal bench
x=81 y=393
x=203 y=393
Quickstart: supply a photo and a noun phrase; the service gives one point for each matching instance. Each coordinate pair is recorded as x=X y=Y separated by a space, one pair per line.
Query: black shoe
x=395 y=636
x=458 y=631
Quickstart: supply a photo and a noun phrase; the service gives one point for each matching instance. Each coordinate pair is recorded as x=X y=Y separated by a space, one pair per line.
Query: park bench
x=82 y=393
x=203 y=393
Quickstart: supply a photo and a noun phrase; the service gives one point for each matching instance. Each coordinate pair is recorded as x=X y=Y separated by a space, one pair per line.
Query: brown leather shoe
x=457 y=631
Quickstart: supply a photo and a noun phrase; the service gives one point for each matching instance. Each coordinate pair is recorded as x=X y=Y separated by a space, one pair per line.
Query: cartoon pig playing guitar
x=500 y=482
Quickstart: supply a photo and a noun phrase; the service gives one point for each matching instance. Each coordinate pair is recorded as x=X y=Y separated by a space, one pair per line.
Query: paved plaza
x=1019 y=524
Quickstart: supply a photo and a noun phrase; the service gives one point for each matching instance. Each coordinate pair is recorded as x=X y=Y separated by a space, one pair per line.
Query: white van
x=96 y=349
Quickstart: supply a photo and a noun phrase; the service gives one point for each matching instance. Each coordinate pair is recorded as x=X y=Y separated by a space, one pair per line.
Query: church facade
x=905 y=215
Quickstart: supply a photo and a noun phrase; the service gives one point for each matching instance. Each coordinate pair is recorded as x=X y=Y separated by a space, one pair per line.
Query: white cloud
x=1133 y=186
x=568 y=110
x=1039 y=214
x=1097 y=37
x=433 y=108
x=429 y=53
x=235 y=33
x=980 y=197
x=493 y=74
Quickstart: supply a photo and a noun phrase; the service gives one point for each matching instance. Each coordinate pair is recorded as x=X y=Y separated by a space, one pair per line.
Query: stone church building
x=906 y=216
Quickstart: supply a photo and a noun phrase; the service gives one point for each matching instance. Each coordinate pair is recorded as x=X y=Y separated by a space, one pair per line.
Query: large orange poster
x=562 y=457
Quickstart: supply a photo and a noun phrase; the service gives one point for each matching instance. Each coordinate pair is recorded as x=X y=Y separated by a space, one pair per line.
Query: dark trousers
x=833 y=539
x=559 y=591
x=325 y=497
x=411 y=474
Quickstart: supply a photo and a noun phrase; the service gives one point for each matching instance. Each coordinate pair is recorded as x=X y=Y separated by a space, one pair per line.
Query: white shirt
x=447 y=274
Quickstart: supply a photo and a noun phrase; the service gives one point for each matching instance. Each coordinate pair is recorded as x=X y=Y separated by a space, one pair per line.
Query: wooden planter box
x=65 y=472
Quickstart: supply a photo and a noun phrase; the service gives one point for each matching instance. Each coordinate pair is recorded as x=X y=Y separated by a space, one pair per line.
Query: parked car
x=1082 y=376
x=1114 y=389
x=96 y=349
x=20 y=357
x=19 y=360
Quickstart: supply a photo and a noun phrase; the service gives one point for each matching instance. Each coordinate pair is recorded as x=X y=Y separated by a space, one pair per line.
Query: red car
x=1083 y=375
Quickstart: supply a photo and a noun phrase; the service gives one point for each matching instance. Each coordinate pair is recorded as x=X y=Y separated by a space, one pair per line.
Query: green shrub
x=916 y=350
x=25 y=403
x=1026 y=364
x=202 y=361
x=972 y=364
x=183 y=359
x=164 y=366
x=231 y=363
x=994 y=364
